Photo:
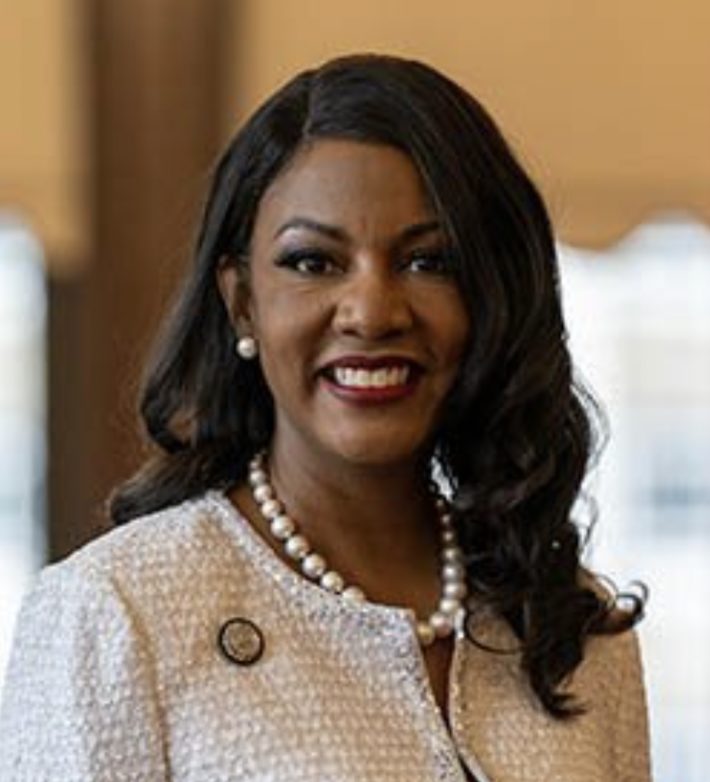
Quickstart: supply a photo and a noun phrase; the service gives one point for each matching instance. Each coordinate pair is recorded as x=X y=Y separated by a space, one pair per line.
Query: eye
x=433 y=261
x=308 y=261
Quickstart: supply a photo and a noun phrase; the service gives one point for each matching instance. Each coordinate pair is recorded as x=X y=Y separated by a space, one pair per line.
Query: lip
x=371 y=396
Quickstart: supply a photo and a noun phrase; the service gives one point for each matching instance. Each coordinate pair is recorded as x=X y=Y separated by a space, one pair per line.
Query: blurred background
x=113 y=112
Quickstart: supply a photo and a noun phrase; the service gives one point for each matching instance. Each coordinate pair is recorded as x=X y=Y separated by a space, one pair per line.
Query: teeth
x=364 y=378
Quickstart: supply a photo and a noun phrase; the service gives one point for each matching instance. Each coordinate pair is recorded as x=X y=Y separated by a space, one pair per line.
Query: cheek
x=453 y=329
x=288 y=334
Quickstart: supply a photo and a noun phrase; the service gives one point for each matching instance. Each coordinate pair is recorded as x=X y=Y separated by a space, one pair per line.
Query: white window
x=22 y=420
x=639 y=321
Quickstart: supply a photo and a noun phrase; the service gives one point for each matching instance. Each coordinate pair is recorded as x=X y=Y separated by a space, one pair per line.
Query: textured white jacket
x=116 y=675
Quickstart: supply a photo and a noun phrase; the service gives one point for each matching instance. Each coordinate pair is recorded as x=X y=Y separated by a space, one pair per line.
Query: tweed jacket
x=116 y=676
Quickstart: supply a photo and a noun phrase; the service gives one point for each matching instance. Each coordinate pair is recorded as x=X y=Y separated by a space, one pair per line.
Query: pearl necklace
x=440 y=624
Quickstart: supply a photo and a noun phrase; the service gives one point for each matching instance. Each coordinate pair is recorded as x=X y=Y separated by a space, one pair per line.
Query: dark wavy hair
x=518 y=433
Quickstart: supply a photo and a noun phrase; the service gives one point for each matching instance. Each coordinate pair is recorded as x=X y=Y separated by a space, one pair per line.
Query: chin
x=381 y=451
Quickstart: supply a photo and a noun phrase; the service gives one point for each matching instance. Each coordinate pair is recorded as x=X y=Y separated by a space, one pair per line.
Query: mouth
x=366 y=380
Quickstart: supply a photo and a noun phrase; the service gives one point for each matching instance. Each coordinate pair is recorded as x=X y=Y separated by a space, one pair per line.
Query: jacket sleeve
x=79 y=703
x=632 y=751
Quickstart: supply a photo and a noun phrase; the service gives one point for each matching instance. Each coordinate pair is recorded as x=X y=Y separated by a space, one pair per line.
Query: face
x=360 y=323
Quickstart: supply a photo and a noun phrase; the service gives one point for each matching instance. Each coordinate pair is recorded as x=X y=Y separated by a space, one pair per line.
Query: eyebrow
x=410 y=233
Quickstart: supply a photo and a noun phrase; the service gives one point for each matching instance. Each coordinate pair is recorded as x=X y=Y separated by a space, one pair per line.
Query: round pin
x=241 y=641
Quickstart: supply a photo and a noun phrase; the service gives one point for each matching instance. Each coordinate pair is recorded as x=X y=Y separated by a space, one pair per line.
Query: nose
x=372 y=304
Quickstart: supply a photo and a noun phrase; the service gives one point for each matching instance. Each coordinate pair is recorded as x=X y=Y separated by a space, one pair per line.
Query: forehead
x=360 y=186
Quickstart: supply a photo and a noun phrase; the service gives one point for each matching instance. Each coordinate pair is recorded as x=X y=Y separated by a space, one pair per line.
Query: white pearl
x=425 y=633
x=257 y=478
x=455 y=589
x=449 y=605
x=271 y=508
x=452 y=571
x=452 y=554
x=332 y=581
x=353 y=594
x=297 y=547
x=247 y=347
x=313 y=565
x=442 y=624
x=263 y=492
x=282 y=527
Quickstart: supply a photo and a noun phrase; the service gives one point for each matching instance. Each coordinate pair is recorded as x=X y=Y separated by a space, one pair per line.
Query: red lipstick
x=345 y=378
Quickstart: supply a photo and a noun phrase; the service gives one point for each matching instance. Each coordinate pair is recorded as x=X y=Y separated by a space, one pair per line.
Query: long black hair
x=518 y=433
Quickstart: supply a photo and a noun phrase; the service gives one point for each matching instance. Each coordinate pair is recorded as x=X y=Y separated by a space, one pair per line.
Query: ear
x=233 y=283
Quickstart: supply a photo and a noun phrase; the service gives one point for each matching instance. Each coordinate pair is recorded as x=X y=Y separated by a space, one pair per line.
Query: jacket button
x=241 y=641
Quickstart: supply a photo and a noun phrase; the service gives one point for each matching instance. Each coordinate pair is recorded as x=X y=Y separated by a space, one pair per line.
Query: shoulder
x=610 y=667
x=501 y=709
x=156 y=562
x=611 y=662
x=614 y=655
x=158 y=543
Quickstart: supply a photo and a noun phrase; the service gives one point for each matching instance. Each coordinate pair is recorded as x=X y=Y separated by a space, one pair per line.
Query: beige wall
x=44 y=130
x=608 y=102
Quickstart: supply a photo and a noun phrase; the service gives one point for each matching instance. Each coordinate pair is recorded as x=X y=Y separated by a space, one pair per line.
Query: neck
x=441 y=615
x=376 y=523
x=379 y=499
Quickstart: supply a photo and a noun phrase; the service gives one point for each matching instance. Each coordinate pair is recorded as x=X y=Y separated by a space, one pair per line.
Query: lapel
x=500 y=727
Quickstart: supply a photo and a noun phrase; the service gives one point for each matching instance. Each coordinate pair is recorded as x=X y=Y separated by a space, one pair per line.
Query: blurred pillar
x=156 y=93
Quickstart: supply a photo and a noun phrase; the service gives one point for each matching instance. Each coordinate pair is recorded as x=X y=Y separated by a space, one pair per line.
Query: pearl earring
x=246 y=348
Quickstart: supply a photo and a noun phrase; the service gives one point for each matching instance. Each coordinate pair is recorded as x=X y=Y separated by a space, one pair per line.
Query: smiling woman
x=360 y=329
x=374 y=301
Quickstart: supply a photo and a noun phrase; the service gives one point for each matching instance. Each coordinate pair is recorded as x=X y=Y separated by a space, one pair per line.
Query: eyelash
x=296 y=260
x=441 y=257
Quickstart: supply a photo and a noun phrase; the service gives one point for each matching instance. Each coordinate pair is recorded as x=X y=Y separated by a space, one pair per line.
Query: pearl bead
x=257 y=478
x=271 y=508
x=442 y=624
x=353 y=594
x=282 y=527
x=452 y=554
x=425 y=633
x=297 y=547
x=332 y=581
x=449 y=605
x=452 y=571
x=455 y=589
x=450 y=612
x=313 y=565
x=263 y=492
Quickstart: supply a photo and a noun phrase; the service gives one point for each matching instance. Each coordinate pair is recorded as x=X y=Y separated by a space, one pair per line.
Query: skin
x=369 y=278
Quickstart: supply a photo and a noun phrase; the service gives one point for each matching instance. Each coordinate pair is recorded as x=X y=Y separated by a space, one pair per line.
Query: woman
x=374 y=301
